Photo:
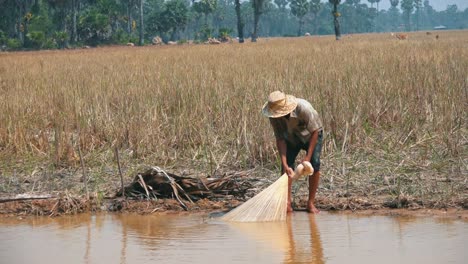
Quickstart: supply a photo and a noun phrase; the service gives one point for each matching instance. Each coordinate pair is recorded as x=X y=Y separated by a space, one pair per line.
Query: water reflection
x=123 y=251
x=297 y=239
x=311 y=252
x=190 y=238
x=63 y=222
x=88 y=242
x=154 y=230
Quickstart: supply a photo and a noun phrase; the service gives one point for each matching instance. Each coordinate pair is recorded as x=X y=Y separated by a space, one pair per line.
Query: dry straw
x=269 y=204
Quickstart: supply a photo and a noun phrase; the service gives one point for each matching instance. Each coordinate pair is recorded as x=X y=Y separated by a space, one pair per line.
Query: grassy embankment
x=395 y=113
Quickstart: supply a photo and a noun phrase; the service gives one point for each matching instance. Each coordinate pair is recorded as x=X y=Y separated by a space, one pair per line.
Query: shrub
x=36 y=39
x=61 y=38
x=224 y=33
x=50 y=43
x=13 y=44
x=93 y=27
x=120 y=37
x=3 y=38
x=204 y=33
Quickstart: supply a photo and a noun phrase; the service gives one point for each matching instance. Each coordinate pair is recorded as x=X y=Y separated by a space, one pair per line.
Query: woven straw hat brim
x=274 y=113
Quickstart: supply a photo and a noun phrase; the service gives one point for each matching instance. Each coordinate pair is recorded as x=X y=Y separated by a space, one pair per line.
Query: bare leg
x=289 y=208
x=313 y=185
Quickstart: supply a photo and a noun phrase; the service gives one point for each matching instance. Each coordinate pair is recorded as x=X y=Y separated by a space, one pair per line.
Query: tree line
x=48 y=24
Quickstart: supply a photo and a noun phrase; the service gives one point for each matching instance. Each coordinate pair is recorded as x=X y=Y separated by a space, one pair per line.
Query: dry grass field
x=394 y=112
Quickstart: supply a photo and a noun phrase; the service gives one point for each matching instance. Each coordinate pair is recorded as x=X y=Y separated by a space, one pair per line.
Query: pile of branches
x=156 y=183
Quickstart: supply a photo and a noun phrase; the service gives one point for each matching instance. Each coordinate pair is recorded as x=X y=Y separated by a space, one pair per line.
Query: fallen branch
x=143 y=184
x=25 y=196
x=167 y=185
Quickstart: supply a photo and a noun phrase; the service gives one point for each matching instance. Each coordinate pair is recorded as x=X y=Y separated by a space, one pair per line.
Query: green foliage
x=259 y=5
x=299 y=8
x=153 y=13
x=100 y=196
x=315 y=6
x=153 y=23
x=175 y=14
x=407 y=5
x=13 y=44
x=37 y=39
x=281 y=4
x=205 y=6
x=334 y=2
x=93 y=26
x=394 y=3
x=122 y=37
x=61 y=38
x=224 y=33
x=204 y=33
x=3 y=38
x=359 y=18
x=107 y=21
x=50 y=43
x=40 y=23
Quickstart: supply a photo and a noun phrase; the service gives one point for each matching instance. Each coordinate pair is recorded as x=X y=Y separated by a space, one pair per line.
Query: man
x=297 y=126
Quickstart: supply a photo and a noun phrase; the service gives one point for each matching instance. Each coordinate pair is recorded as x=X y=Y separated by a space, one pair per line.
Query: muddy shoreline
x=55 y=207
x=229 y=188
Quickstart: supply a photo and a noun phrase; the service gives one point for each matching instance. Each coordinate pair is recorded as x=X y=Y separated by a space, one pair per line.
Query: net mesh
x=268 y=205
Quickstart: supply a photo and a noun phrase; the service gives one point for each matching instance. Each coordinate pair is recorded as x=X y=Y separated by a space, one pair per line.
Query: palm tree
x=315 y=7
x=336 y=14
x=74 y=34
x=377 y=1
x=394 y=13
x=130 y=6
x=418 y=6
x=206 y=7
x=240 y=22
x=407 y=6
x=141 y=41
x=23 y=7
x=258 y=10
x=299 y=8
x=282 y=4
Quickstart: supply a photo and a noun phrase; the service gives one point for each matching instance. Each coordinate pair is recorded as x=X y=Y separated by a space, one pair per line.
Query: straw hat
x=279 y=104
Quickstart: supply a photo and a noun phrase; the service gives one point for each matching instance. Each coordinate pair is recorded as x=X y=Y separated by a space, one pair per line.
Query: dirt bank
x=60 y=206
x=63 y=193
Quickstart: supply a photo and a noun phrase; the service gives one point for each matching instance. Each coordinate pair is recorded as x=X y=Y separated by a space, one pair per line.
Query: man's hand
x=290 y=172
x=306 y=158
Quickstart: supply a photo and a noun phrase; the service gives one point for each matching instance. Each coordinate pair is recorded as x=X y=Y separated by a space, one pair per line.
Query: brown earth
x=227 y=190
x=60 y=206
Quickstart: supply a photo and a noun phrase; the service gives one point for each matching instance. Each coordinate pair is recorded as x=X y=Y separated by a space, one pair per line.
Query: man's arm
x=282 y=148
x=312 y=142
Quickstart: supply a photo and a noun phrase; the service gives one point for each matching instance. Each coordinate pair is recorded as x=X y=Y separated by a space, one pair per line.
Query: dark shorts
x=293 y=151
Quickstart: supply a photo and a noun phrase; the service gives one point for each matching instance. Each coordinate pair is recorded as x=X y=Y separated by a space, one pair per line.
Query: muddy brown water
x=303 y=238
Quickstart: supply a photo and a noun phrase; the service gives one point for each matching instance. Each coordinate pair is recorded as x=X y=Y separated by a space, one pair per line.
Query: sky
x=438 y=5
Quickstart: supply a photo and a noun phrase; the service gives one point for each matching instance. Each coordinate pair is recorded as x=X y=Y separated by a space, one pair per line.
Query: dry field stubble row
x=394 y=112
